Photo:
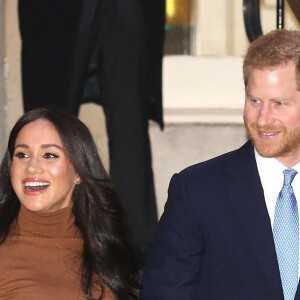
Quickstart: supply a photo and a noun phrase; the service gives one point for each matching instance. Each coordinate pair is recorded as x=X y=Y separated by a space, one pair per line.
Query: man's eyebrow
x=44 y=146
x=251 y=96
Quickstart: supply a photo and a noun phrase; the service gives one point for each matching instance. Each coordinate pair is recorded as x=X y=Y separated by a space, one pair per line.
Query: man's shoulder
x=236 y=158
x=215 y=176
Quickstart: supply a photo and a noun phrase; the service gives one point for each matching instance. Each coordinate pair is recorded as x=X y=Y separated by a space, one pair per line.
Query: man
x=230 y=228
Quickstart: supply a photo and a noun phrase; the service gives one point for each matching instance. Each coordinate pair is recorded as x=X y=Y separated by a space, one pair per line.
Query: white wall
x=203 y=89
x=220 y=25
x=2 y=83
x=13 y=107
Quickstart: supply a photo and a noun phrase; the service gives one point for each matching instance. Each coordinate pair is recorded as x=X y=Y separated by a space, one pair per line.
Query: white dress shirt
x=271 y=177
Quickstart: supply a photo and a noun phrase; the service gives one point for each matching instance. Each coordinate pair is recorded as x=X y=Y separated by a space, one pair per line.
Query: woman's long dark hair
x=96 y=207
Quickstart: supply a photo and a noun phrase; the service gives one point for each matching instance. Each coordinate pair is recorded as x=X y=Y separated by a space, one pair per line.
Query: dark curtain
x=108 y=52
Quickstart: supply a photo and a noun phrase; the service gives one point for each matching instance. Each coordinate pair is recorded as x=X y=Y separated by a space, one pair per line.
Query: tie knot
x=289 y=175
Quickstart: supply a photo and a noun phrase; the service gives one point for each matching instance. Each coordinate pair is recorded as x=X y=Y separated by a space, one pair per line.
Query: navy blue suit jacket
x=214 y=239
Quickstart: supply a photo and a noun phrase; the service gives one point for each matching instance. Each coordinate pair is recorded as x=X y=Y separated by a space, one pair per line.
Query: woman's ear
x=77 y=179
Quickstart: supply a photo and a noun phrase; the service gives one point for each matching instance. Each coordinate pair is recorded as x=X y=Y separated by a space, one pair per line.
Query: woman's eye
x=50 y=155
x=21 y=155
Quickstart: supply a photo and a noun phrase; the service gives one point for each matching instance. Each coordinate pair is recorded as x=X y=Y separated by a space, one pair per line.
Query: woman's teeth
x=35 y=183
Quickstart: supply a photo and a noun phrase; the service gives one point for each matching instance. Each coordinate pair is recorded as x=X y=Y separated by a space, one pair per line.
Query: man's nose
x=265 y=116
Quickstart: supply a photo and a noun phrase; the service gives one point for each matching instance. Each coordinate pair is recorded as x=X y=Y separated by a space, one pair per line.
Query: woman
x=61 y=225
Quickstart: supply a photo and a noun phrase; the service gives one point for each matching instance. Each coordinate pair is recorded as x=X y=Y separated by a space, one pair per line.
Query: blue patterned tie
x=286 y=236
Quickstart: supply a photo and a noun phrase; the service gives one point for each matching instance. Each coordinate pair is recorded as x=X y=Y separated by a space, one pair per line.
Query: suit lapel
x=248 y=202
x=297 y=296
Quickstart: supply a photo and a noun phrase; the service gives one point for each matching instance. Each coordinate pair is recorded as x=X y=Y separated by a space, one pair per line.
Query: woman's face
x=41 y=174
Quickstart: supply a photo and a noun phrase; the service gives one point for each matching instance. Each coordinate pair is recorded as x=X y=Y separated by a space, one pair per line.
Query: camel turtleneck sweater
x=41 y=257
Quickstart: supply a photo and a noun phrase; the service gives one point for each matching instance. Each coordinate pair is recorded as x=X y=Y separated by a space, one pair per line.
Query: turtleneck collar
x=57 y=224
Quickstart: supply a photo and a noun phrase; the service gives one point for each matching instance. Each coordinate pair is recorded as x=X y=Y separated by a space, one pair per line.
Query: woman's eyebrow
x=42 y=146
x=51 y=145
x=21 y=146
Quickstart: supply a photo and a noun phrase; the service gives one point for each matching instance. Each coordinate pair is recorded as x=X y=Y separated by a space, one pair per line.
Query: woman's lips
x=35 y=186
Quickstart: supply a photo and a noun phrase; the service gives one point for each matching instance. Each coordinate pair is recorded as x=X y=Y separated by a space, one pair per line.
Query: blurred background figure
x=108 y=52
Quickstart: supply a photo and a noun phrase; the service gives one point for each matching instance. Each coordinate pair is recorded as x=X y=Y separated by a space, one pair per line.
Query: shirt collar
x=268 y=165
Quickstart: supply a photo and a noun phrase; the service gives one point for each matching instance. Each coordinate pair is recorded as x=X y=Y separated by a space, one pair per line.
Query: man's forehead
x=271 y=68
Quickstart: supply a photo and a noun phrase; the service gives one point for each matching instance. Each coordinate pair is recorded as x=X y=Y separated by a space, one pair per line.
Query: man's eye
x=280 y=103
x=50 y=155
x=255 y=101
x=21 y=155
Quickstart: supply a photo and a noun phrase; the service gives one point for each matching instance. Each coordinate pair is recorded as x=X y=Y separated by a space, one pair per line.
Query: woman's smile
x=42 y=176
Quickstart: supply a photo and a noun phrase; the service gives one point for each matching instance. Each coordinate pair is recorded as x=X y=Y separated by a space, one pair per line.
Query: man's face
x=272 y=113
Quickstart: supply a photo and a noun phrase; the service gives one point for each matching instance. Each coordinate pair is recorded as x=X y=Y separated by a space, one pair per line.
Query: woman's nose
x=34 y=166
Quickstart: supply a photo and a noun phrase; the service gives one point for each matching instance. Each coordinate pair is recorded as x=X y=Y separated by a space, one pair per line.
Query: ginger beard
x=284 y=145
